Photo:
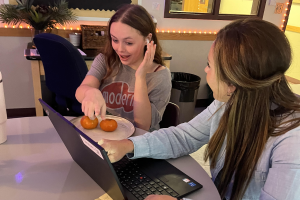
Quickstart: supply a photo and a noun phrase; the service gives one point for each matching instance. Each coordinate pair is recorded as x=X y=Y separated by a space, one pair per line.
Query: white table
x=35 y=164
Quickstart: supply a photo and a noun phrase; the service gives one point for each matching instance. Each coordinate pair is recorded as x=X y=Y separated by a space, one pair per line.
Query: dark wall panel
x=89 y=4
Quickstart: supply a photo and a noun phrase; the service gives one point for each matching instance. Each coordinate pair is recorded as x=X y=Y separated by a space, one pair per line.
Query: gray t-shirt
x=118 y=90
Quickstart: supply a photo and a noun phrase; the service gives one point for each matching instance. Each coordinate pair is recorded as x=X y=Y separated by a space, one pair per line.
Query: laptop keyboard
x=137 y=182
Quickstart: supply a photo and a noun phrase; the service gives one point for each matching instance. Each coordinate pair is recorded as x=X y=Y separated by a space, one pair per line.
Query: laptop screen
x=90 y=156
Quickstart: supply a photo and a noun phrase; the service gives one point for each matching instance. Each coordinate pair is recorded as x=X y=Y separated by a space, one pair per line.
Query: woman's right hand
x=93 y=104
x=116 y=149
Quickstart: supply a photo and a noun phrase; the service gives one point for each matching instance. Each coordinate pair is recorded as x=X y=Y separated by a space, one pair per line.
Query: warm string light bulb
x=21 y=26
x=5 y=26
x=78 y=29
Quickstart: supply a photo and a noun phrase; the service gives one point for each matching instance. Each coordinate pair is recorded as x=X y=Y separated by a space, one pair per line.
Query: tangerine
x=87 y=123
x=108 y=125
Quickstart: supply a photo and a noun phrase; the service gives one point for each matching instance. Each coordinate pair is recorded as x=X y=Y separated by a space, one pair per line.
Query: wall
x=191 y=56
x=294 y=39
x=188 y=56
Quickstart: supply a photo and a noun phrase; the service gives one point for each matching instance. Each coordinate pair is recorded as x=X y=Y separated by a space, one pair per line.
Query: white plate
x=124 y=130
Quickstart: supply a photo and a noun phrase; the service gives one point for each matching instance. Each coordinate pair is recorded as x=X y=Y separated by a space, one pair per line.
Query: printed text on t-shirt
x=116 y=95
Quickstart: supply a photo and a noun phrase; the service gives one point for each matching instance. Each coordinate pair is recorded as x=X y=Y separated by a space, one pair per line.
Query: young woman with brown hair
x=129 y=79
x=252 y=128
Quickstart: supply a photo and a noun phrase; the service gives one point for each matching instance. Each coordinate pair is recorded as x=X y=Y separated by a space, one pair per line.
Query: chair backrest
x=170 y=116
x=64 y=68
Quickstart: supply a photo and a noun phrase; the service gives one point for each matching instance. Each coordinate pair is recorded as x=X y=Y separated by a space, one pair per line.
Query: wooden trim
x=293 y=28
x=20 y=112
x=292 y=80
x=18 y=32
x=287 y=15
x=186 y=36
x=214 y=15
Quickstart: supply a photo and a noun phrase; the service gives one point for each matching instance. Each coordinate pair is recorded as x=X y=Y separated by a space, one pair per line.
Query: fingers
x=91 y=112
x=103 y=112
x=151 y=48
x=97 y=110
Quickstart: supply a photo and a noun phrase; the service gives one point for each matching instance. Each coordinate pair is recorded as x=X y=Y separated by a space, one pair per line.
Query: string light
x=285 y=16
x=157 y=30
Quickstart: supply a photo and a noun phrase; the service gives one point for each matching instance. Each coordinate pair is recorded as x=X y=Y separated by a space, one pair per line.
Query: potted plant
x=40 y=17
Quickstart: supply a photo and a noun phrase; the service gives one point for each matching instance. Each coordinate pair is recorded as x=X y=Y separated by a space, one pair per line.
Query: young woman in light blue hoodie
x=252 y=128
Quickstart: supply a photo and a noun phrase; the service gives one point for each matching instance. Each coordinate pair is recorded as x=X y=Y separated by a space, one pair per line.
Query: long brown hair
x=252 y=55
x=138 y=18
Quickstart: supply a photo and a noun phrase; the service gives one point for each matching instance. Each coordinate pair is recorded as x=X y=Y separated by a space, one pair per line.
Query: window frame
x=215 y=13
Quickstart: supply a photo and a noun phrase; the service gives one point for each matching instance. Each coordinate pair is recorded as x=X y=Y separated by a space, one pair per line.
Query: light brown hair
x=252 y=55
x=138 y=18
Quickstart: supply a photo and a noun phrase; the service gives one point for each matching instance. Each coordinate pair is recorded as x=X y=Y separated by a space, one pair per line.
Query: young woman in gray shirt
x=252 y=128
x=129 y=79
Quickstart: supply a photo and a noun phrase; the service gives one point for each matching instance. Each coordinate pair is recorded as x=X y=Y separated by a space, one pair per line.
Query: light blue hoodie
x=277 y=173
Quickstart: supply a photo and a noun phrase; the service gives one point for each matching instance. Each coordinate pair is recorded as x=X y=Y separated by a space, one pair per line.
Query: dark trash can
x=184 y=93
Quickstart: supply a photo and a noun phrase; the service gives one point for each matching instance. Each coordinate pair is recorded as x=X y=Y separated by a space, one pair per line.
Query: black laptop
x=125 y=179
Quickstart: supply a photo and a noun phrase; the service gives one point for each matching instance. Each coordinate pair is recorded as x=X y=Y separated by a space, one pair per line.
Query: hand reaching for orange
x=108 y=125
x=87 y=123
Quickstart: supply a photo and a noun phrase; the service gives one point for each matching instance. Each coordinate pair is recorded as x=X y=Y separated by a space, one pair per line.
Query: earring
x=229 y=94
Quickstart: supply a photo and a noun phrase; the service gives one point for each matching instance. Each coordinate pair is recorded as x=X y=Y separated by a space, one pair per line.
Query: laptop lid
x=90 y=156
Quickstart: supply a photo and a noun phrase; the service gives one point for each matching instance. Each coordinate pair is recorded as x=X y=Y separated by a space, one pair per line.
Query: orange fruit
x=87 y=123
x=108 y=125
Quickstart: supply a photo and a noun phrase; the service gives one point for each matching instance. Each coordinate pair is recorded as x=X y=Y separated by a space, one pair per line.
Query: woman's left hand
x=147 y=63
x=159 y=197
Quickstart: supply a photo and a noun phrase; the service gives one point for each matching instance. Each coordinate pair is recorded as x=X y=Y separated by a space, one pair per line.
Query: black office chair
x=65 y=69
x=170 y=116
